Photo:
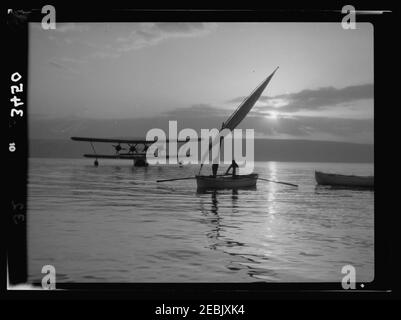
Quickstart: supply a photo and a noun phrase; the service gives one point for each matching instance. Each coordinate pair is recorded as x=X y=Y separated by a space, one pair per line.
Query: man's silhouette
x=234 y=167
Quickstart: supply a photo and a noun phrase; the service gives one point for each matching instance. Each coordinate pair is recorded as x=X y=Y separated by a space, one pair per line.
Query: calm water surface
x=114 y=223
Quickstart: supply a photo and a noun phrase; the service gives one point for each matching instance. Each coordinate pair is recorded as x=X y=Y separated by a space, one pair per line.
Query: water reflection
x=272 y=168
x=272 y=189
x=323 y=189
x=213 y=217
x=220 y=218
x=168 y=231
x=214 y=233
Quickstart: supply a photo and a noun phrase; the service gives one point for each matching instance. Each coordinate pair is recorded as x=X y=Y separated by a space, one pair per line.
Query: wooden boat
x=344 y=180
x=240 y=181
x=226 y=181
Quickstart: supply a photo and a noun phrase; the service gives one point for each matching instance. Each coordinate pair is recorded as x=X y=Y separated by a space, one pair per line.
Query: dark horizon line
x=130 y=161
x=265 y=150
x=256 y=138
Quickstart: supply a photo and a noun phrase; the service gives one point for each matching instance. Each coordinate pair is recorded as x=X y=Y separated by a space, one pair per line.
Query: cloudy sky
x=122 y=79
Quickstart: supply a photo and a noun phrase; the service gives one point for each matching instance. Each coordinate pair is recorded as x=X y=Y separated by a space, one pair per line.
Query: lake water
x=114 y=223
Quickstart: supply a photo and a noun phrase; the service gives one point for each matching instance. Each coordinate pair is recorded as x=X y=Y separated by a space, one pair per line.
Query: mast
x=243 y=109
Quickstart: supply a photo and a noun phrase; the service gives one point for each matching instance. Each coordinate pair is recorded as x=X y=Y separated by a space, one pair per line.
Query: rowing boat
x=226 y=182
x=344 y=180
x=238 y=181
x=231 y=181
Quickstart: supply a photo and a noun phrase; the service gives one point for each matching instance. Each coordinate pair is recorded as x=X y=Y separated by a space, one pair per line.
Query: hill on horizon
x=265 y=150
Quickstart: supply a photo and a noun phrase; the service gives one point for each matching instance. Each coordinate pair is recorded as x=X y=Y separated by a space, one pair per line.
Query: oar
x=286 y=183
x=165 y=180
x=188 y=178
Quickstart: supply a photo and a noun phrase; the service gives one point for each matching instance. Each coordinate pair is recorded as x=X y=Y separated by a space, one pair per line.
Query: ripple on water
x=114 y=223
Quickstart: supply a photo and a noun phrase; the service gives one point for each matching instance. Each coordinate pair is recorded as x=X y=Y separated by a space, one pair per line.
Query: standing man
x=215 y=166
x=234 y=167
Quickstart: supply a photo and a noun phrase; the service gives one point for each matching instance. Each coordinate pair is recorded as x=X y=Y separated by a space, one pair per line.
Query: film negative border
x=17 y=166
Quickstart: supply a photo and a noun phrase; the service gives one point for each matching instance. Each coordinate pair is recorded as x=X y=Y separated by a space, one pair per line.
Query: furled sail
x=240 y=113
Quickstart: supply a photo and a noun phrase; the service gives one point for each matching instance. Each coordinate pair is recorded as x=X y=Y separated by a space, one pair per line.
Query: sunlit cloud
x=276 y=103
x=272 y=115
x=314 y=99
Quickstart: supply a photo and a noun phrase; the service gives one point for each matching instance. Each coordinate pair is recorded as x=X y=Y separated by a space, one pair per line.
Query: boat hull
x=227 y=182
x=344 y=180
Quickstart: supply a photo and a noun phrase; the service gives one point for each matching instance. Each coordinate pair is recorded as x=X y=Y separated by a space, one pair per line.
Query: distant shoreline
x=256 y=161
x=265 y=150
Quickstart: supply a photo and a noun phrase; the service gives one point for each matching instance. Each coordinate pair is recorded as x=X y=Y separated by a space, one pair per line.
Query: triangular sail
x=243 y=109
x=240 y=113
